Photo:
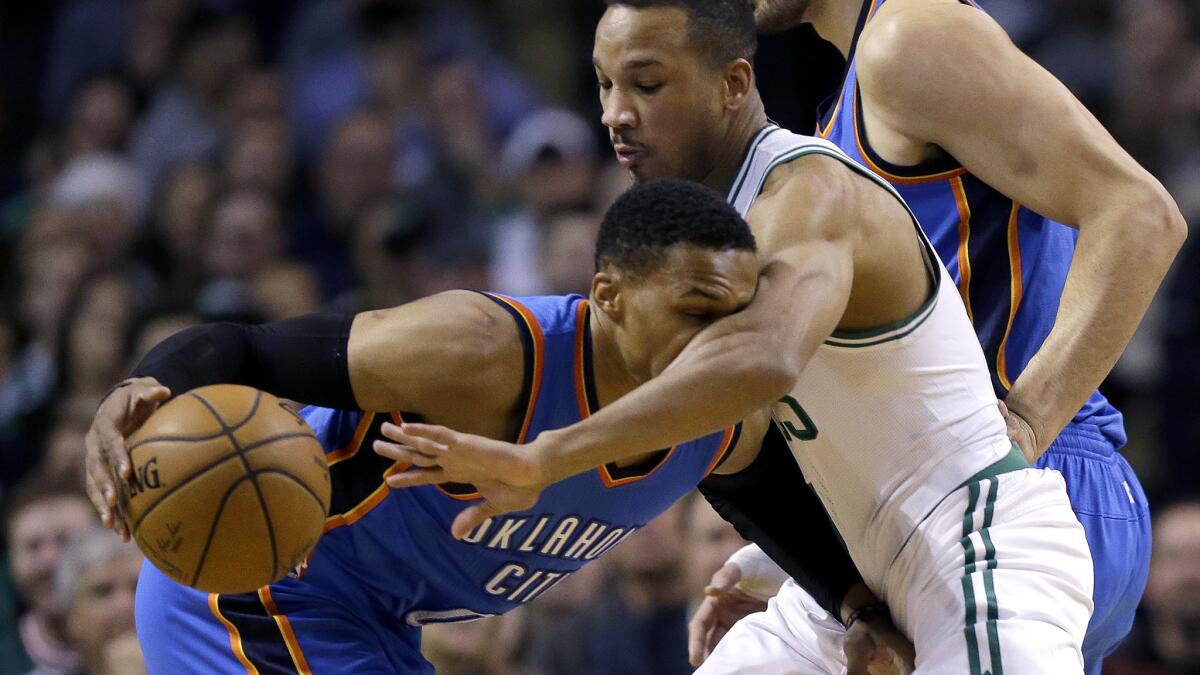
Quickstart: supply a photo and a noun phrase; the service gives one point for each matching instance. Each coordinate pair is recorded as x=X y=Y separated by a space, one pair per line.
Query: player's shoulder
x=910 y=44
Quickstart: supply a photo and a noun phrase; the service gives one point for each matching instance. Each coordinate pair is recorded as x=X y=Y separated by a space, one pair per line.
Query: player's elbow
x=1171 y=223
x=770 y=373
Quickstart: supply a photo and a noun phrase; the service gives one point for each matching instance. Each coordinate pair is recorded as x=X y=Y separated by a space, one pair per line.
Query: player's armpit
x=771 y=504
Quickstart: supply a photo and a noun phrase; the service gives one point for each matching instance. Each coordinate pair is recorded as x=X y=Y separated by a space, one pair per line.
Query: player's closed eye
x=649 y=88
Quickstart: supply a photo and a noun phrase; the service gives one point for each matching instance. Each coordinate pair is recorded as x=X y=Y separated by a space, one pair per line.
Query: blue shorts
x=183 y=630
x=1108 y=500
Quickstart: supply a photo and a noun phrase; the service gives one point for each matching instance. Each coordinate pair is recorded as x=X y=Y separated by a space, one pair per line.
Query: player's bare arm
x=839 y=252
x=963 y=88
x=445 y=358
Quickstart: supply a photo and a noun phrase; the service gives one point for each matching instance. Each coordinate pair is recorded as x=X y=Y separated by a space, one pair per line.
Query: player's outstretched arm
x=438 y=356
x=808 y=230
x=947 y=75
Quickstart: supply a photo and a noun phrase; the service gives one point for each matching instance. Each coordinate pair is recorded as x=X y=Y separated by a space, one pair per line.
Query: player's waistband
x=1013 y=461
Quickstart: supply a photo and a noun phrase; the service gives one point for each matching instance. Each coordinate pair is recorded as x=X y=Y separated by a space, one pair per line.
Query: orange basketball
x=230 y=489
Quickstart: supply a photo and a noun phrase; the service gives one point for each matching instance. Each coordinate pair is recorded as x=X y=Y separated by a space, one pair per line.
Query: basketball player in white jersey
x=856 y=339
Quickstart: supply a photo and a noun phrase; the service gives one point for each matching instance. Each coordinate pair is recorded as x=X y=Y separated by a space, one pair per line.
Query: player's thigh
x=1110 y=504
x=794 y=636
x=182 y=630
x=1020 y=597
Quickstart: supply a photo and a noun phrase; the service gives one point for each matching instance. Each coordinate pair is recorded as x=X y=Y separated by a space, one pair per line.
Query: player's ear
x=739 y=83
x=606 y=293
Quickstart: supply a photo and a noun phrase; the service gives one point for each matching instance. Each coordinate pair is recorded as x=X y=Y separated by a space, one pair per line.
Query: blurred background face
x=570 y=239
x=1173 y=588
x=661 y=98
x=35 y=539
x=710 y=541
x=97 y=339
x=664 y=307
x=101 y=608
x=100 y=119
x=357 y=167
x=245 y=235
x=184 y=206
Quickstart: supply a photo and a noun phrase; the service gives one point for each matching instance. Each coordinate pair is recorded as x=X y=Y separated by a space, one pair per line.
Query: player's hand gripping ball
x=230 y=489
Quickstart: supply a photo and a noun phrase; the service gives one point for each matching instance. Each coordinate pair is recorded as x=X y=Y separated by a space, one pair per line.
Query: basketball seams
x=262 y=501
x=197 y=439
x=212 y=529
x=215 y=464
x=296 y=479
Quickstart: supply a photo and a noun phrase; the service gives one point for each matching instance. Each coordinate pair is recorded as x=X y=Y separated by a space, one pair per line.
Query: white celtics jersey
x=885 y=423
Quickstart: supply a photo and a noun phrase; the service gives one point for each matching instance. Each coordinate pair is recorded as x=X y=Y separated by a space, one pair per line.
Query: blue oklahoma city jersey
x=1010 y=263
x=398 y=542
x=387 y=563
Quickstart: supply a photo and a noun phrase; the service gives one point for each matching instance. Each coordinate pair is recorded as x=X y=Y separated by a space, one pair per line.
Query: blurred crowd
x=168 y=162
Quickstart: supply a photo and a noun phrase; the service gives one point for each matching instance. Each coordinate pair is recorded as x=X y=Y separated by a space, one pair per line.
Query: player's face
x=662 y=100
x=776 y=16
x=662 y=310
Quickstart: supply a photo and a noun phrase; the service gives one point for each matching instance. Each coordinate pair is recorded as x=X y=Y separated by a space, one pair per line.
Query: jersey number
x=802 y=429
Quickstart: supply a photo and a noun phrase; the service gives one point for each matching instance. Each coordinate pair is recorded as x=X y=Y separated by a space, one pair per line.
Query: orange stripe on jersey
x=380 y=493
x=285 y=629
x=837 y=108
x=964 y=239
x=347 y=451
x=1015 y=290
x=539 y=352
x=610 y=482
x=891 y=177
x=235 y=639
x=581 y=328
x=721 y=451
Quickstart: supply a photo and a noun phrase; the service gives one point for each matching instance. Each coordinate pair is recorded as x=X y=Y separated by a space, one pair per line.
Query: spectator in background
x=245 y=235
x=104 y=198
x=92 y=351
x=486 y=647
x=1171 y=645
x=643 y=609
x=179 y=228
x=43 y=514
x=63 y=456
x=710 y=541
x=94 y=584
x=184 y=121
x=259 y=156
x=550 y=160
x=569 y=243
x=101 y=118
x=355 y=171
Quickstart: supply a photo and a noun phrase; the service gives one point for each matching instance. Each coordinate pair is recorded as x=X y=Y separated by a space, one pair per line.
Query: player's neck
x=835 y=20
x=732 y=153
x=611 y=373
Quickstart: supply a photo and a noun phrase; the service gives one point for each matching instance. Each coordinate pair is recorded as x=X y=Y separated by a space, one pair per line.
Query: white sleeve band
x=761 y=577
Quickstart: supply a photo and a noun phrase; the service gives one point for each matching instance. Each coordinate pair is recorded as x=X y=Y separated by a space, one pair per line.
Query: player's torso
x=1008 y=263
x=395 y=546
x=886 y=422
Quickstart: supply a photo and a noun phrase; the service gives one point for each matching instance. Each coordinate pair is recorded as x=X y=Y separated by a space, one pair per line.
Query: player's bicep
x=434 y=349
x=964 y=86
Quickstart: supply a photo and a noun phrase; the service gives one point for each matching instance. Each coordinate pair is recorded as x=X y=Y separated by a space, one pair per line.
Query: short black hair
x=722 y=30
x=653 y=216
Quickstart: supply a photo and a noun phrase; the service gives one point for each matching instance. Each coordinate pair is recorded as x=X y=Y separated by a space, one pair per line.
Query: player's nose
x=618 y=113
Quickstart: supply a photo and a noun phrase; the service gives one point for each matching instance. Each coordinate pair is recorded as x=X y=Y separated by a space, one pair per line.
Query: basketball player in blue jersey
x=1055 y=238
x=860 y=342
x=672 y=257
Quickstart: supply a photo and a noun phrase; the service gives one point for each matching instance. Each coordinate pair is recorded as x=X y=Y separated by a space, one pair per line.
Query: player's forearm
x=711 y=386
x=1119 y=262
x=303 y=359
